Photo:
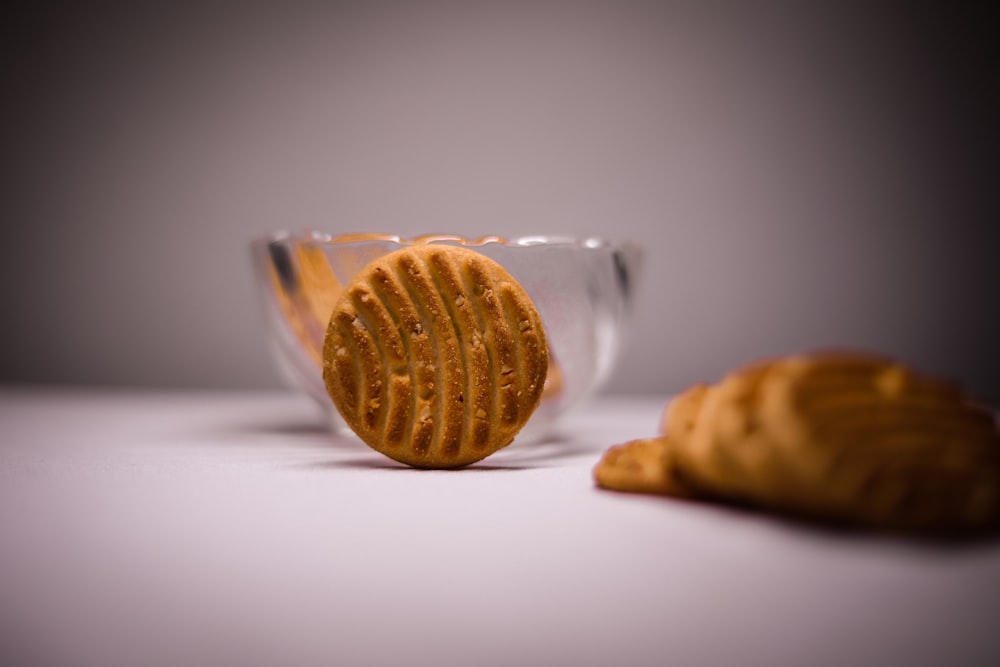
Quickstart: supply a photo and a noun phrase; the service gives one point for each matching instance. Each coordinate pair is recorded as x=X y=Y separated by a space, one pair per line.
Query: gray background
x=799 y=177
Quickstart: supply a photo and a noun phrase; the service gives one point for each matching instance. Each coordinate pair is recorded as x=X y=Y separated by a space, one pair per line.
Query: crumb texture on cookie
x=435 y=356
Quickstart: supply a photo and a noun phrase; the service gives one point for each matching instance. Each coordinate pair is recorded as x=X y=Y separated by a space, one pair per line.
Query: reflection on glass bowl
x=582 y=288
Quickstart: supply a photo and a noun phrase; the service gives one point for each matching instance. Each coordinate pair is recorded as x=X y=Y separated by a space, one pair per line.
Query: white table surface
x=143 y=528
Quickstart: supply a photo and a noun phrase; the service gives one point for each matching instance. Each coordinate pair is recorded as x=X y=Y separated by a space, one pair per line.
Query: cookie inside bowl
x=582 y=288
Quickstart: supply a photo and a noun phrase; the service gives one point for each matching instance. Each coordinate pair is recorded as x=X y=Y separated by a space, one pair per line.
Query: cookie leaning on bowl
x=435 y=356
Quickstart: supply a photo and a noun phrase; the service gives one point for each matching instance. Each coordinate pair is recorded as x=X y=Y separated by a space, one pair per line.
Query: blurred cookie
x=854 y=438
x=849 y=437
x=723 y=444
x=641 y=466
x=681 y=412
x=866 y=440
x=555 y=385
x=318 y=290
x=435 y=356
x=305 y=292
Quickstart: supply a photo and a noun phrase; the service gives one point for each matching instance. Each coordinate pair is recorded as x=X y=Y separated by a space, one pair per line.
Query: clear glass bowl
x=582 y=288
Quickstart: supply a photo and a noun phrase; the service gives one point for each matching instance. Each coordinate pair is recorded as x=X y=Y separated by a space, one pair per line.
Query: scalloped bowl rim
x=313 y=236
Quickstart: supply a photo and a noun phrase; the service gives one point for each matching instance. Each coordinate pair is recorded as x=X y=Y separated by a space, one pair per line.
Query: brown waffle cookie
x=306 y=296
x=555 y=385
x=877 y=443
x=641 y=466
x=854 y=438
x=723 y=441
x=318 y=292
x=435 y=356
x=681 y=412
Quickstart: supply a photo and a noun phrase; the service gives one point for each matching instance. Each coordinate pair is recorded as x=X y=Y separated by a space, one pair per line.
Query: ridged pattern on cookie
x=435 y=356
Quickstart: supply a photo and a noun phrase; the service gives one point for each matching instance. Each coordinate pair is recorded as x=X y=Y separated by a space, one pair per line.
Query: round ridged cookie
x=435 y=356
